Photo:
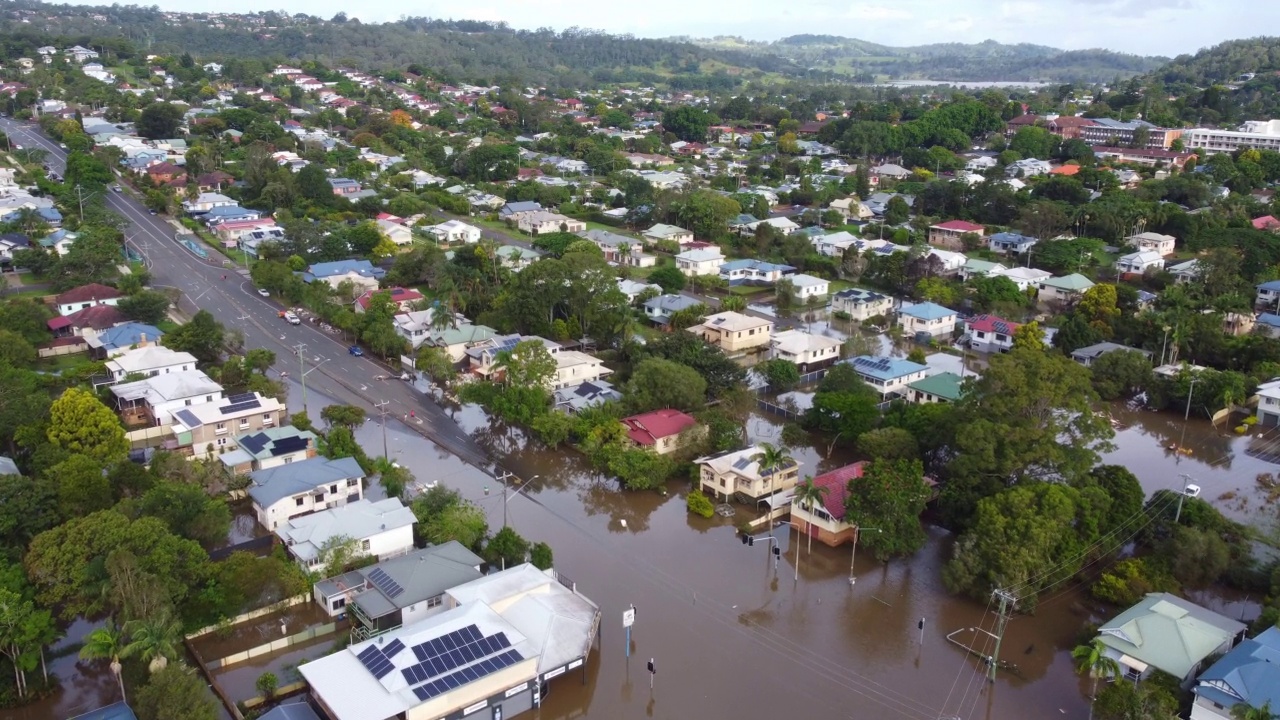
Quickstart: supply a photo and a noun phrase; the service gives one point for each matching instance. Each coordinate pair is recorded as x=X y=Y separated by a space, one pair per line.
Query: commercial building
x=1255 y=134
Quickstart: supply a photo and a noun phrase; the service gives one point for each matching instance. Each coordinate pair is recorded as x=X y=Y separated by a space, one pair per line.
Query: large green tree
x=890 y=496
x=80 y=423
x=175 y=692
x=159 y=120
x=658 y=383
x=202 y=336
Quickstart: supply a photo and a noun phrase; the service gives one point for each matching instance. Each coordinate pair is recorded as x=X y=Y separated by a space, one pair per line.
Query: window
x=298 y=501
x=319 y=497
x=436 y=601
x=339 y=603
x=333 y=489
x=208 y=398
x=222 y=442
x=352 y=482
x=220 y=428
x=364 y=545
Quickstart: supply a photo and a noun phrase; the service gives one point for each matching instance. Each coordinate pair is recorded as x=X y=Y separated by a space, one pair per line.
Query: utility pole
x=503 y=476
x=301 y=349
x=1186 y=480
x=382 y=409
x=1007 y=604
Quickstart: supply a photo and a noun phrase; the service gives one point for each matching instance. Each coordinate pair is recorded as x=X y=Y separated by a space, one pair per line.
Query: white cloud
x=877 y=13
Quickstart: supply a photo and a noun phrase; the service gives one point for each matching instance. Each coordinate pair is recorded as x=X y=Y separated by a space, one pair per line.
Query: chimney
x=143 y=340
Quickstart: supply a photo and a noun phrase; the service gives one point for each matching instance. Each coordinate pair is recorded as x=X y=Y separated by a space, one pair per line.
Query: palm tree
x=736 y=303
x=772 y=458
x=106 y=642
x=1092 y=659
x=808 y=496
x=154 y=640
x=1248 y=712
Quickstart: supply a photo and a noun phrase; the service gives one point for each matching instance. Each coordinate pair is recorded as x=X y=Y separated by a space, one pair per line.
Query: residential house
x=783 y=225
x=149 y=361
x=362 y=273
x=659 y=430
x=943 y=387
x=835 y=244
x=862 y=305
x=1268 y=412
x=1266 y=222
x=268 y=448
x=57 y=242
x=115 y=711
x=84 y=296
x=850 y=208
x=11 y=243
x=400 y=591
x=152 y=400
x=454 y=231
x=927 y=318
x=973 y=267
x=888 y=375
x=700 y=261
x=1066 y=289
x=634 y=288
x=734 y=332
x=1164 y=632
x=1025 y=277
x=808 y=351
x=948 y=234
x=211 y=429
x=738 y=472
x=890 y=170
x=1010 y=243
x=661 y=308
x=1248 y=675
x=395 y=232
x=382 y=529
x=1269 y=324
x=403 y=298
x=804 y=287
x=1154 y=242
x=541 y=222
x=483 y=358
x=165 y=172
x=214 y=181
x=108 y=343
x=574 y=368
x=286 y=491
x=1139 y=262
x=1267 y=294
x=205 y=202
x=516 y=258
x=991 y=334
x=228 y=213
x=753 y=272
x=1028 y=167
x=669 y=232
x=344 y=187
x=87 y=322
x=522 y=626
x=1088 y=355
x=455 y=341
x=620 y=249
x=585 y=395
x=826 y=521
x=517 y=208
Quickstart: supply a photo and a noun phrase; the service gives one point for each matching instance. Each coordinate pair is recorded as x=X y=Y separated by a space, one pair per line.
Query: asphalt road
x=236 y=304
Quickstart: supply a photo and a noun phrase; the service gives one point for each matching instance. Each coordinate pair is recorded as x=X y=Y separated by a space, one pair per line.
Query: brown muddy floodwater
x=733 y=637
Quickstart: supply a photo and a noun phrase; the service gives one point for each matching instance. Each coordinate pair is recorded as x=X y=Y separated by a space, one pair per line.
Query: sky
x=1144 y=27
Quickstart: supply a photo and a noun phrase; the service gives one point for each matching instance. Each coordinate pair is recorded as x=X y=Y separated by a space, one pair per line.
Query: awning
x=1134 y=663
x=781 y=499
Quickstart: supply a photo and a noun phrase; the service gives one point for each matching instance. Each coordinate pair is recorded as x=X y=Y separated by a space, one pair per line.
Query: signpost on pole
x=652 y=672
x=629 y=619
x=921 y=625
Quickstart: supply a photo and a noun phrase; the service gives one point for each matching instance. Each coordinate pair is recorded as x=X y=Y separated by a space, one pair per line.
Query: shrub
x=700 y=504
x=267 y=683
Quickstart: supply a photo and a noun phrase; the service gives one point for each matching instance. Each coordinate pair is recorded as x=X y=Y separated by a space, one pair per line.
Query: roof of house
x=1249 y=674
x=858 y=295
x=946 y=385
x=275 y=441
x=87 y=293
x=114 y=711
x=732 y=321
x=1269 y=319
x=157 y=389
x=127 y=334
x=1142 y=257
x=1099 y=349
x=928 y=311
x=1072 y=282
x=1266 y=222
x=761 y=266
x=1168 y=633
x=290 y=711
x=270 y=486
x=521 y=206
x=305 y=535
x=8 y=466
x=974 y=265
x=960 y=226
x=801 y=280
x=661 y=230
x=587 y=394
x=701 y=254
x=149 y=358
x=837 y=484
x=648 y=428
x=796 y=342
x=740 y=462
x=417 y=577
x=992 y=323
x=363 y=268
x=670 y=303
x=398 y=295
x=1012 y=237
x=98 y=317
x=884 y=368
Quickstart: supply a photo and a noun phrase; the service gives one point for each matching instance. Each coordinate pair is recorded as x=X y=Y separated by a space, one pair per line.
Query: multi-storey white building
x=1256 y=134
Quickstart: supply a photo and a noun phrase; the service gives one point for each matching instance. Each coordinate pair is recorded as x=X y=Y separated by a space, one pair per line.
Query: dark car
x=356 y=350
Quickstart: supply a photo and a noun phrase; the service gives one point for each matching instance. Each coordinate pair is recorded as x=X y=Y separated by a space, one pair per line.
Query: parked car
x=1191 y=491
x=117 y=188
x=291 y=317
x=264 y=292
x=356 y=350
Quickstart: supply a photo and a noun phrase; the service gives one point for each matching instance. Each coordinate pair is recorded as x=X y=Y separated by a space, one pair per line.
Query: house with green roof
x=1064 y=289
x=1164 y=632
x=945 y=387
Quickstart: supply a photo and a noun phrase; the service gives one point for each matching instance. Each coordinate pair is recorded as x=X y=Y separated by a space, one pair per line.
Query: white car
x=1191 y=491
x=264 y=292
x=292 y=318
x=117 y=188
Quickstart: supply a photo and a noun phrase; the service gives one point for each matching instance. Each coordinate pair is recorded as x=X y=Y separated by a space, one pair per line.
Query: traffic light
x=777 y=551
x=748 y=540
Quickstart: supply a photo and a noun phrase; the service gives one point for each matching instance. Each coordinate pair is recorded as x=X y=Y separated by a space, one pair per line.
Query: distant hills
x=984 y=61
x=1222 y=63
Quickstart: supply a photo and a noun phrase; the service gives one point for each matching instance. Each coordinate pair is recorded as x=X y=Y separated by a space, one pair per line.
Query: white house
x=669 y=232
x=1139 y=262
x=888 y=375
x=575 y=368
x=540 y=222
x=929 y=318
x=395 y=232
x=85 y=296
x=149 y=361
x=300 y=488
x=1025 y=277
x=810 y=352
x=455 y=231
x=784 y=225
x=1269 y=404
x=861 y=304
x=1067 y=288
x=205 y=202
x=807 y=286
x=1249 y=675
x=1166 y=633
x=701 y=261
x=155 y=398
x=383 y=529
x=1162 y=244
x=991 y=334
x=738 y=472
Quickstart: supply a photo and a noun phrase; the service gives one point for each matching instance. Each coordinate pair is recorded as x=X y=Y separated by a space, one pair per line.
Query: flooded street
x=731 y=635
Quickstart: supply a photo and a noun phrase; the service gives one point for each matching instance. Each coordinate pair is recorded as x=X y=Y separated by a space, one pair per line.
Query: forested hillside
x=985 y=61
x=1223 y=63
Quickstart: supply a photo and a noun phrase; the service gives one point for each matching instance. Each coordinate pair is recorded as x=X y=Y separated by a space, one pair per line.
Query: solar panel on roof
x=368 y=652
x=392 y=648
x=287 y=445
x=467 y=653
x=385 y=583
x=470 y=674
x=450 y=643
x=239 y=407
x=242 y=397
x=422 y=693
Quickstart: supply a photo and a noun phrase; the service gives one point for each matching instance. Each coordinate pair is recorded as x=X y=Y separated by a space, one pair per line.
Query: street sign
x=628 y=617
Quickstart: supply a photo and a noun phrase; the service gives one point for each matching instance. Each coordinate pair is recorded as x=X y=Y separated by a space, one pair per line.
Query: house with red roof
x=94 y=318
x=991 y=334
x=79 y=298
x=826 y=522
x=660 y=430
x=165 y=172
x=404 y=298
x=1266 y=222
x=947 y=235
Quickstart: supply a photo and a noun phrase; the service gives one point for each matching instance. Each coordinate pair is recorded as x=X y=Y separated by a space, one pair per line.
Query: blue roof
x=1251 y=671
x=1270 y=319
x=859 y=295
x=1012 y=237
x=1270 y=285
x=928 y=311
x=114 y=711
x=128 y=334
x=884 y=368
x=230 y=211
x=342 y=267
x=758 y=265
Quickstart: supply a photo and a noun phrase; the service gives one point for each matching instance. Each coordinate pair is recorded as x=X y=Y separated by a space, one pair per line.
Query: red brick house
x=164 y=172
x=947 y=235
x=659 y=430
x=826 y=522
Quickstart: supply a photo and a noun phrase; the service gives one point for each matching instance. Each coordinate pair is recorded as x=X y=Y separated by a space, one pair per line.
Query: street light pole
x=1186 y=480
x=853 y=557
